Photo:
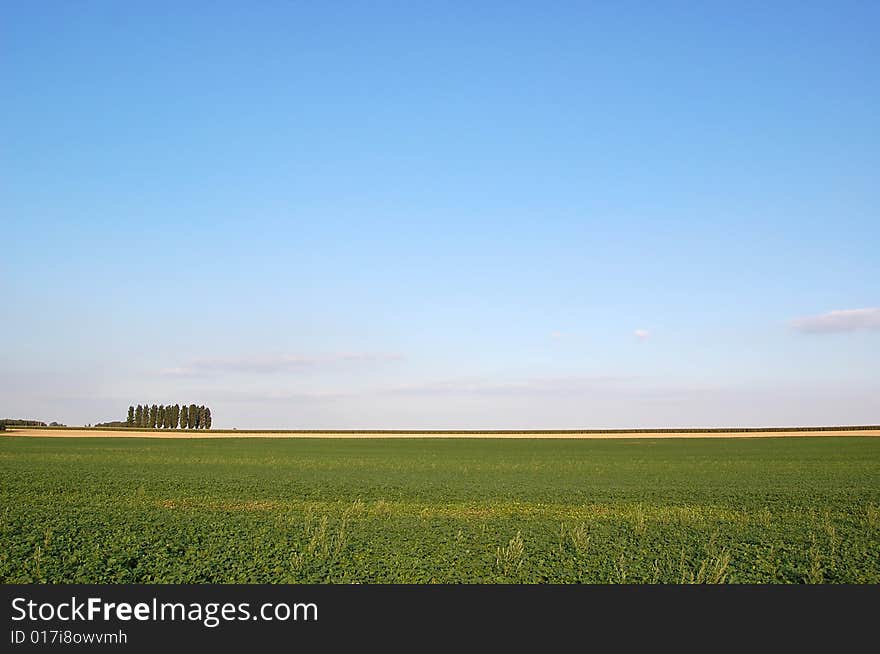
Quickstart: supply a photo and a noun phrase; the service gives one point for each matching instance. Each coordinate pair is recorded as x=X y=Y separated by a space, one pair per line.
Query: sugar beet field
x=787 y=510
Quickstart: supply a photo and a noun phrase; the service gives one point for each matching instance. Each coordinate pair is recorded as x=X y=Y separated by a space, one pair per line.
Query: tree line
x=23 y=423
x=169 y=416
x=14 y=422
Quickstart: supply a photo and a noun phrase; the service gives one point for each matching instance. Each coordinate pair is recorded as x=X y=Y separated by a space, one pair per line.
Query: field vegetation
x=778 y=510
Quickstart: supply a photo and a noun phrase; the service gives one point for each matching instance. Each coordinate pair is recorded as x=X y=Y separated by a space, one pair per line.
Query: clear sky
x=442 y=215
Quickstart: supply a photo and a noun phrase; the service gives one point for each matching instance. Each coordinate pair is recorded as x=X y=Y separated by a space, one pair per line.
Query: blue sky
x=441 y=215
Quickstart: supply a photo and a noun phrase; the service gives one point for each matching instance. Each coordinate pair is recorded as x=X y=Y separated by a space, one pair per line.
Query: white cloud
x=276 y=364
x=280 y=396
x=478 y=386
x=179 y=372
x=641 y=334
x=848 y=320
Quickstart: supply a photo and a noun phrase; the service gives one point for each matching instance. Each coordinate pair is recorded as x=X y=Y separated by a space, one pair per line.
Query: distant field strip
x=760 y=432
x=363 y=510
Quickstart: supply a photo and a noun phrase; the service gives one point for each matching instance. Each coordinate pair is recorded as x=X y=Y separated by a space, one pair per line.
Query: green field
x=788 y=510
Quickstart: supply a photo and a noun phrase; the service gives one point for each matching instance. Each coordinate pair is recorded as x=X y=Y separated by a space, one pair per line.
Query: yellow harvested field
x=107 y=433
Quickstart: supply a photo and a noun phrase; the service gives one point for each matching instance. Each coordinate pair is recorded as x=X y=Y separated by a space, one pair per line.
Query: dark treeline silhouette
x=169 y=416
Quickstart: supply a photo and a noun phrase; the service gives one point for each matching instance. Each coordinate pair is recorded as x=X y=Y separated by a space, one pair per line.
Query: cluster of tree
x=28 y=423
x=112 y=423
x=169 y=416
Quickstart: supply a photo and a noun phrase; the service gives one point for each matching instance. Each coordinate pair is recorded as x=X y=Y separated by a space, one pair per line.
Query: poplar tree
x=175 y=416
x=207 y=418
x=154 y=416
x=129 y=421
x=160 y=417
x=184 y=417
x=139 y=416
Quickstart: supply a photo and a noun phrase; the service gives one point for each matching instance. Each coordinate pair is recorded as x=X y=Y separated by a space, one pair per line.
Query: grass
x=786 y=510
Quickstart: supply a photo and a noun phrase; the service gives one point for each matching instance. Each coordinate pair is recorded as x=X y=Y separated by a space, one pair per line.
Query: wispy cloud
x=848 y=320
x=280 y=396
x=641 y=334
x=551 y=385
x=276 y=364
